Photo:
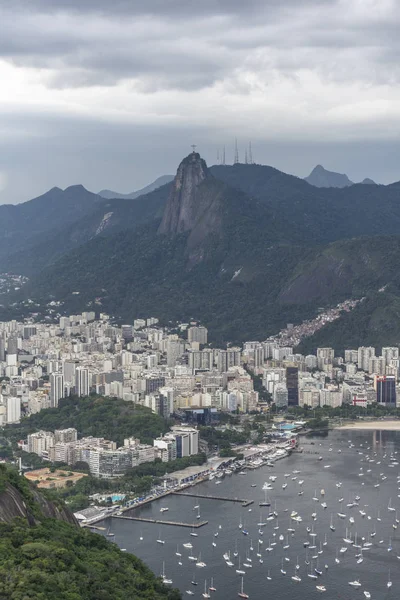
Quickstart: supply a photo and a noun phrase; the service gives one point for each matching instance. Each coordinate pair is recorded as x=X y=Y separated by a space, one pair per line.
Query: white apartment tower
x=56 y=389
x=82 y=385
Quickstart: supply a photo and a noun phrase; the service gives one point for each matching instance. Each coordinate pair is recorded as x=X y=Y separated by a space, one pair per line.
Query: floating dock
x=160 y=522
x=242 y=501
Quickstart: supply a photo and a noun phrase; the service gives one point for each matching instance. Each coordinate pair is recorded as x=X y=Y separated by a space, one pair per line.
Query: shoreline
x=393 y=425
x=181 y=487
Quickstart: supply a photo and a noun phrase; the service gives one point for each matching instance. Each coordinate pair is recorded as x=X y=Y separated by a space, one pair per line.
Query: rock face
x=368 y=181
x=13 y=504
x=184 y=206
x=320 y=177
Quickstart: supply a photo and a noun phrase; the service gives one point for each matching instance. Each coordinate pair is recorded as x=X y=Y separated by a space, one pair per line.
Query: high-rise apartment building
x=228 y=358
x=82 y=383
x=365 y=353
x=197 y=334
x=201 y=360
x=56 y=389
x=13 y=409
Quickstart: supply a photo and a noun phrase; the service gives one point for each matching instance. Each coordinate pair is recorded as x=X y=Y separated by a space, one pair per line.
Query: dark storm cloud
x=111 y=93
x=167 y=8
x=159 y=44
x=178 y=44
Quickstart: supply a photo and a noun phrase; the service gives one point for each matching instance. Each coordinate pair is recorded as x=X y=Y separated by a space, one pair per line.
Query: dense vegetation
x=55 y=559
x=304 y=254
x=111 y=418
x=224 y=439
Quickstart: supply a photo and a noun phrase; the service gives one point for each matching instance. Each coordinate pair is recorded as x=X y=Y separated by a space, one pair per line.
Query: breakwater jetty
x=244 y=502
x=161 y=522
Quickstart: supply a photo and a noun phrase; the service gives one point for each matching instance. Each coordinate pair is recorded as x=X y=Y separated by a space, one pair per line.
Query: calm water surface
x=224 y=518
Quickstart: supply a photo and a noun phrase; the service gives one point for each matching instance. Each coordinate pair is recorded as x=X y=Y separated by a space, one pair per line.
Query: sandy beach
x=373 y=425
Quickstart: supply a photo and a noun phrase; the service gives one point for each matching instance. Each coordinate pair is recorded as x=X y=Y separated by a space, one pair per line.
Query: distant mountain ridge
x=322 y=178
x=245 y=248
x=160 y=181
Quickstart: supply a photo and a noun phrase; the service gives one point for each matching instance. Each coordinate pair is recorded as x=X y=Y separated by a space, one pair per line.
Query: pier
x=160 y=522
x=242 y=501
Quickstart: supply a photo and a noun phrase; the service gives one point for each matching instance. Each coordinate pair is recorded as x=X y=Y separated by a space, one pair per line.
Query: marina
x=299 y=535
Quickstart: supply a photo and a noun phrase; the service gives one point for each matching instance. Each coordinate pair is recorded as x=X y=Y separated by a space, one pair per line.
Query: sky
x=113 y=94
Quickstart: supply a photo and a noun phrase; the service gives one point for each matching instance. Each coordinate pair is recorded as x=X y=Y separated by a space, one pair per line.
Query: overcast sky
x=111 y=94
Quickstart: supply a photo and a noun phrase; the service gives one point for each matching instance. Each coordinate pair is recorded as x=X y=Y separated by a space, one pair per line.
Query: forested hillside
x=46 y=558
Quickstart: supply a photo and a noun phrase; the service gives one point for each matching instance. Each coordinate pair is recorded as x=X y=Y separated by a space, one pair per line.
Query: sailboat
x=331 y=527
x=242 y=594
x=200 y=563
x=282 y=569
x=265 y=502
x=160 y=541
x=269 y=578
x=347 y=539
x=109 y=533
x=198 y=513
x=177 y=551
x=229 y=563
x=193 y=533
x=311 y=574
x=317 y=570
x=296 y=577
x=236 y=550
x=212 y=588
x=194 y=582
x=205 y=594
x=240 y=571
x=390 y=507
x=389 y=582
x=164 y=578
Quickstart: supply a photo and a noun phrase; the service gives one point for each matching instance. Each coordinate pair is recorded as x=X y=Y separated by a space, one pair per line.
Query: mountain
x=244 y=248
x=45 y=554
x=104 y=218
x=368 y=181
x=109 y=194
x=309 y=215
x=320 y=177
x=29 y=223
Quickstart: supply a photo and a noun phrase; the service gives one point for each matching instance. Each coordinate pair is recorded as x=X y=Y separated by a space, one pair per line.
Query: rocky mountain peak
x=184 y=204
x=321 y=177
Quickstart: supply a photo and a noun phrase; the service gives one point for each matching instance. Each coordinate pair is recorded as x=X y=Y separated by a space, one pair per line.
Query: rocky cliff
x=19 y=499
x=184 y=206
x=320 y=177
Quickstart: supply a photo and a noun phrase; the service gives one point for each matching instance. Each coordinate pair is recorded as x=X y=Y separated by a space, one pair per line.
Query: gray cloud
x=112 y=94
x=190 y=45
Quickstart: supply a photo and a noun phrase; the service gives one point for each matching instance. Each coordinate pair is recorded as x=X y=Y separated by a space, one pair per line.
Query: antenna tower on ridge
x=246 y=162
x=223 y=156
x=250 y=154
x=236 y=160
x=218 y=162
